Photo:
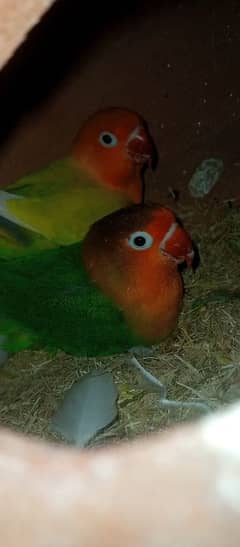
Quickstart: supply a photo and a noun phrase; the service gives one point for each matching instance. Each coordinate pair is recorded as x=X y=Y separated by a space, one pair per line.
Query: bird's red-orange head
x=113 y=146
x=133 y=256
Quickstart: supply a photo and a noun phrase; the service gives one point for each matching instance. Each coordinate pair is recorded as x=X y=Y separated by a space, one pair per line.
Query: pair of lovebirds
x=85 y=267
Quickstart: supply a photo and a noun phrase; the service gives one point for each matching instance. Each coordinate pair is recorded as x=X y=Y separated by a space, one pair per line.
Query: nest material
x=201 y=360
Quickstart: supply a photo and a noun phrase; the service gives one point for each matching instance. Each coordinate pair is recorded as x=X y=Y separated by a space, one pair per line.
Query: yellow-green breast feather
x=59 y=202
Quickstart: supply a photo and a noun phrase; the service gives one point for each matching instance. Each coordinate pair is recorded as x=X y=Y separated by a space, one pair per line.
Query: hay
x=201 y=360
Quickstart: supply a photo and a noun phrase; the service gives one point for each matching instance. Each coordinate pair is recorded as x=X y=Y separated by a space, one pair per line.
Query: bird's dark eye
x=108 y=139
x=140 y=241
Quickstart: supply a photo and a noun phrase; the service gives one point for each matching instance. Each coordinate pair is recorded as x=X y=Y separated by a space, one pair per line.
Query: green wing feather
x=16 y=240
x=48 y=301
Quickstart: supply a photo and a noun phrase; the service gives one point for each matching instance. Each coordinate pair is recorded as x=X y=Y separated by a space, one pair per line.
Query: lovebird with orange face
x=121 y=287
x=102 y=173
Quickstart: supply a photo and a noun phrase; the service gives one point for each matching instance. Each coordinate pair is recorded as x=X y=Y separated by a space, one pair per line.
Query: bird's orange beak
x=140 y=146
x=178 y=245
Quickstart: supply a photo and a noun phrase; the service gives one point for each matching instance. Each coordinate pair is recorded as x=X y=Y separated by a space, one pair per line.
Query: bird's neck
x=150 y=296
x=126 y=181
x=155 y=301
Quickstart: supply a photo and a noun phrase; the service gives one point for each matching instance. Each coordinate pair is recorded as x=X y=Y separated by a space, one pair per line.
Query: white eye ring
x=108 y=139
x=140 y=241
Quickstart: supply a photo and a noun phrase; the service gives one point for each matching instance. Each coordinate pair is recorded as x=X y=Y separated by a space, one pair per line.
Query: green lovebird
x=102 y=173
x=119 y=288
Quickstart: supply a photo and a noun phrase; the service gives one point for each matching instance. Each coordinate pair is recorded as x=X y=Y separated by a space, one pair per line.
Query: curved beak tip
x=187 y=258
